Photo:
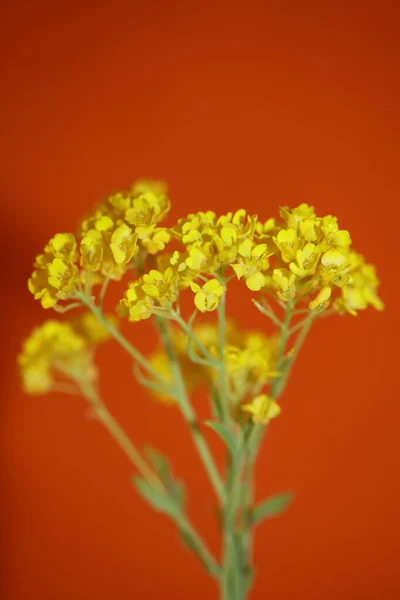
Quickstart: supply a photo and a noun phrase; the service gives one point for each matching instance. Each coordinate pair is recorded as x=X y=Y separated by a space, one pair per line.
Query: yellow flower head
x=54 y=350
x=56 y=275
x=262 y=409
x=207 y=297
x=127 y=220
x=161 y=286
x=362 y=288
x=108 y=248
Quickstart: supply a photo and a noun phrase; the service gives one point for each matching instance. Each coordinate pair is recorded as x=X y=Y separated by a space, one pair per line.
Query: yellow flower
x=63 y=245
x=335 y=266
x=322 y=299
x=293 y=217
x=161 y=286
x=62 y=276
x=207 y=297
x=285 y=282
x=135 y=305
x=288 y=242
x=333 y=235
x=251 y=262
x=92 y=250
x=54 y=350
x=362 y=289
x=306 y=261
x=262 y=409
x=123 y=244
x=157 y=240
x=196 y=227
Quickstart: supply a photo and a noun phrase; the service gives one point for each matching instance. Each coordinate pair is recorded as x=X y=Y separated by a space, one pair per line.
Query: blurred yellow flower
x=262 y=409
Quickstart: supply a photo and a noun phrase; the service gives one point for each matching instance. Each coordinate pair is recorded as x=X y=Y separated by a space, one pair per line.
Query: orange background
x=249 y=104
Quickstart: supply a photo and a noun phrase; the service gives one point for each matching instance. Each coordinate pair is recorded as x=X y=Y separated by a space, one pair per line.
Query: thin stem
x=117 y=335
x=196 y=342
x=64 y=309
x=199 y=546
x=268 y=312
x=188 y=412
x=223 y=383
x=119 y=435
x=103 y=291
x=105 y=417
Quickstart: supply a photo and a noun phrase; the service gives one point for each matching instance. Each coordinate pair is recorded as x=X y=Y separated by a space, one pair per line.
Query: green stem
x=198 y=545
x=117 y=335
x=188 y=412
x=223 y=383
x=280 y=382
x=105 y=417
x=188 y=331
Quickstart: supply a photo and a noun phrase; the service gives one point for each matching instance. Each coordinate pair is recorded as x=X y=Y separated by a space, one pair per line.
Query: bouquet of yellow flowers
x=297 y=269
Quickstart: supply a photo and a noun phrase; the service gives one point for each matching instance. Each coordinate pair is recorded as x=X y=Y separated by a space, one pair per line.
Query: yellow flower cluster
x=316 y=260
x=303 y=257
x=124 y=226
x=250 y=359
x=56 y=275
x=60 y=350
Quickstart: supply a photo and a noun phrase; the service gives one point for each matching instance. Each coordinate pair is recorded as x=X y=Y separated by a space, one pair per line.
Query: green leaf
x=158 y=500
x=271 y=507
x=225 y=434
x=161 y=464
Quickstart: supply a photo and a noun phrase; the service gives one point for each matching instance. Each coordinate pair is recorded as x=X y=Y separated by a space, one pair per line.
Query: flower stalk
x=303 y=263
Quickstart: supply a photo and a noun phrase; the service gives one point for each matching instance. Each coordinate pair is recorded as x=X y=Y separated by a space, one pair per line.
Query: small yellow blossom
x=252 y=261
x=285 y=282
x=262 y=409
x=362 y=289
x=306 y=261
x=161 y=286
x=207 y=297
x=156 y=241
x=288 y=242
x=322 y=299
x=92 y=250
x=123 y=244
x=335 y=267
x=63 y=245
x=54 y=350
x=136 y=305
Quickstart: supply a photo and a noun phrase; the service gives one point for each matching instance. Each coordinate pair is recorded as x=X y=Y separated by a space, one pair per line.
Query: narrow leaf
x=271 y=507
x=158 y=500
x=161 y=464
x=225 y=434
